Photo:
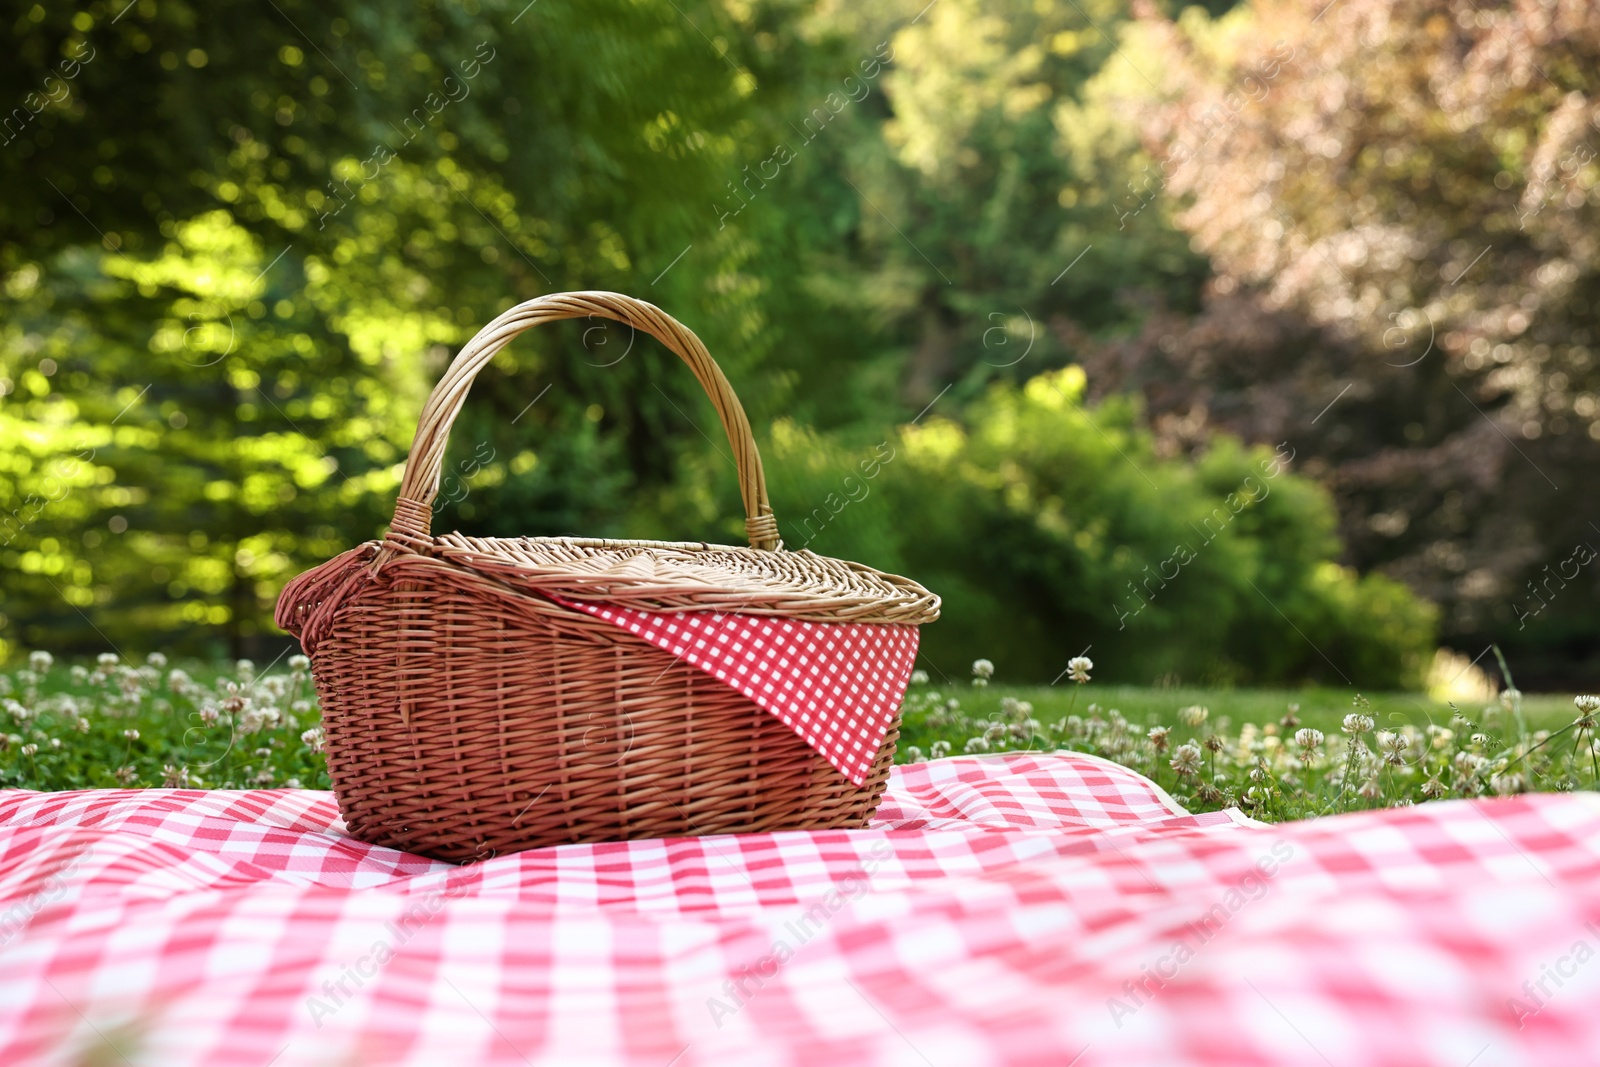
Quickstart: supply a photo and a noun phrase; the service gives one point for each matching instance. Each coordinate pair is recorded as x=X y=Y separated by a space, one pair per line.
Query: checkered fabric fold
x=837 y=685
x=1014 y=910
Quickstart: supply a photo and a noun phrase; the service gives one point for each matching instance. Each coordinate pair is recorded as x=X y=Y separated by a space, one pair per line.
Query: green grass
x=1256 y=749
x=1320 y=708
x=113 y=724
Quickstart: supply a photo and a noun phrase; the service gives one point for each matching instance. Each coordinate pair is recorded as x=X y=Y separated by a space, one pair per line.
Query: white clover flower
x=918 y=677
x=29 y=749
x=209 y=715
x=1193 y=716
x=1356 y=724
x=55 y=742
x=131 y=735
x=156 y=659
x=994 y=732
x=83 y=725
x=1507 y=784
x=1371 y=789
x=299 y=664
x=977 y=744
x=1586 y=703
x=80 y=674
x=245 y=669
x=1158 y=737
x=939 y=749
x=40 y=661
x=17 y=711
x=126 y=775
x=1433 y=789
x=313 y=739
x=264 y=776
x=1186 y=758
x=982 y=668
x=1307 y=738
x=1079 y=667
x=913 y=754
x=107 y=659
x=174 y=777
x=293 y=783
x=1511 y=699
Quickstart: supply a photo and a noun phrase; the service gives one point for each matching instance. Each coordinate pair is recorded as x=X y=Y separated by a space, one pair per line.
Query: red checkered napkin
x=837 y=685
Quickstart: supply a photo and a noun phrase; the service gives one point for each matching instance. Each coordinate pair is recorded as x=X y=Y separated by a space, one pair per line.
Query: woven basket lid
x=692 y=576
x=764 y=578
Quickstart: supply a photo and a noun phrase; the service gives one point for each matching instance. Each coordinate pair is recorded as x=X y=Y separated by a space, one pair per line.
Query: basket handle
x=413 y=513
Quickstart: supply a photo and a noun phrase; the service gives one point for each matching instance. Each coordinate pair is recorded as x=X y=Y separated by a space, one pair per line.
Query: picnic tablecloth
x=1016 y=909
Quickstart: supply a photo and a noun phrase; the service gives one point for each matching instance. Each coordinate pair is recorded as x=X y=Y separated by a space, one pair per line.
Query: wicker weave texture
x=463 y=722
x=468 y=714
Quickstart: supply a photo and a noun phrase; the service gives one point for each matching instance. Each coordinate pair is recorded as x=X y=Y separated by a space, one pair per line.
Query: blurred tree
x=1398 y=200
x=245 y=442
x=238 y=244
x=950 y=220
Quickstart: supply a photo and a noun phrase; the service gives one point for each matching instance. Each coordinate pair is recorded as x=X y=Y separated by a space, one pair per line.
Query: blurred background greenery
x=1247 y=344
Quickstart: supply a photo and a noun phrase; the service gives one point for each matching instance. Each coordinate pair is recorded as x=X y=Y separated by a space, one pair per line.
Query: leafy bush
x=1049 y=527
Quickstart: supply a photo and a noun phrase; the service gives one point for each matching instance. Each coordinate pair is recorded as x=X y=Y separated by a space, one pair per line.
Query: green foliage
x=1048 y=527
x=241 y=442
x=240 y=243
x=230 y=275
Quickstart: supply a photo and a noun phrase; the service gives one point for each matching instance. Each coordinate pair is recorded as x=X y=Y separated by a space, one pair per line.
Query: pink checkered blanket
x=1016 y=909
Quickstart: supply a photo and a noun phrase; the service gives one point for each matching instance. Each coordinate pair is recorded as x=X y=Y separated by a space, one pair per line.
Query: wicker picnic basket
x=470 y=712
